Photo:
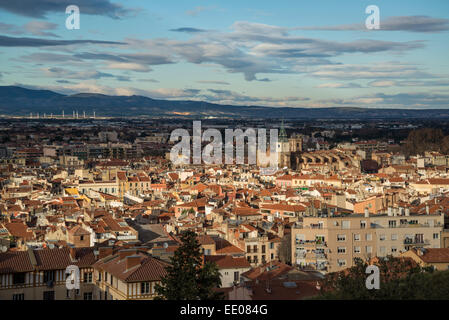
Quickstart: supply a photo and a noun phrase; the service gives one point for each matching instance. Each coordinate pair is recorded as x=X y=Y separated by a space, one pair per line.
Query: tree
x=188 y=278
x=399 y=279
x=284 y=250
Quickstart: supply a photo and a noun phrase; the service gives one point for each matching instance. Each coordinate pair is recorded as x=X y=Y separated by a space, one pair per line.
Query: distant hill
x=21 y=101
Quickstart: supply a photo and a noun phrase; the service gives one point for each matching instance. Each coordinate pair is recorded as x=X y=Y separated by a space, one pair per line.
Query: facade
x=330 y=244
x=40 y=274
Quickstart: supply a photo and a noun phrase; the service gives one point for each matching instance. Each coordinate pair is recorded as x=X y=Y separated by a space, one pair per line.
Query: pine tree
x=188 y=278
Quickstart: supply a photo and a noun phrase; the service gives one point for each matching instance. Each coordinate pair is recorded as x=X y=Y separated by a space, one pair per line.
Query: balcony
x=410 y=241
x=311 y=243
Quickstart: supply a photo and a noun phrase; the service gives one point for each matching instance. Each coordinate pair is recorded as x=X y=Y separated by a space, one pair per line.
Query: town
x=104 y=195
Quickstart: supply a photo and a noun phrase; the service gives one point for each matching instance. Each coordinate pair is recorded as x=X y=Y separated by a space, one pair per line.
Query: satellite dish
x=165 y=245
x=51 y=246
x=4 y=248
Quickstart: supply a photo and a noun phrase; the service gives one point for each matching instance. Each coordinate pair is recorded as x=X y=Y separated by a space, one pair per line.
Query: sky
x=293 y=53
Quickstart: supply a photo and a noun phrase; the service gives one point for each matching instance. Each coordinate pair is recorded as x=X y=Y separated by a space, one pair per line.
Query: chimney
x=427 y=209
x=407 y=212
x=366 y=213
x=104 y=252
x=125 y=253
x=132 y=261
x=72 y=253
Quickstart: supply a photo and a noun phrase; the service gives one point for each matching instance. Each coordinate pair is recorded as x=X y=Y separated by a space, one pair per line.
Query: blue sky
x=276 y=53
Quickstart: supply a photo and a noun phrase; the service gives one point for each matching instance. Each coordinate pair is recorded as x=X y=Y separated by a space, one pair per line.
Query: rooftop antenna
x=63 y=114
x=73 y=113
x=31 y=115
x=94 y=114
x=84 y=114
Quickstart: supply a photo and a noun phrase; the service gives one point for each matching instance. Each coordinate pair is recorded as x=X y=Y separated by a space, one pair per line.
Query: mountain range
x=19 y=101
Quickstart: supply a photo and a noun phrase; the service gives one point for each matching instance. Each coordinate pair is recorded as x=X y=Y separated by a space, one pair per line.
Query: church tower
x=283 y=148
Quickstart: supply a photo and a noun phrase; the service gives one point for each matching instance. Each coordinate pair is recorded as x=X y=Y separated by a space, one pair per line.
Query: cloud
x=382 y=84
x=197 y=10
x=6 y=41
x=235 y=98
x=254 y=48
x=129 y=66
x=213 y=82
x=386 y=70
x=10 y=29
x=424 y=24
x=39 y=28
x=350 y=85
x=40 y=8
x=188 y=30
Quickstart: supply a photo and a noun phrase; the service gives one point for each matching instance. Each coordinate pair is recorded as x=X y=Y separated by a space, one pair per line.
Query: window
x=18 y=296
x=394 y=237
x=341 y=237
x=341 y=262
x=87 y=295
x=357 y=237
x=341 y=250
x=394 y=249
x=356 y=249
x=111 y=280
x=88 y=277
x=248 y=249
x=382 y=250
x=435 y=235
x=271 y=245
x=362 y=224
x=382 y=237
x=392 y=223
x=49 y=276
x=255 y=248
x=369 y=237
x=18 y=278
x=144 y=288
x=263 y=248
x=236 y=276
x=49 y=295
x=99 y=276
x=369 y=249
x=346 y=224
x=81 y=238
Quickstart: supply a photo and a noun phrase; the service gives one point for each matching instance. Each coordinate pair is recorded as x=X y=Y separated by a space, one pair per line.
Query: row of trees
x=427 y=139
x=400 y=279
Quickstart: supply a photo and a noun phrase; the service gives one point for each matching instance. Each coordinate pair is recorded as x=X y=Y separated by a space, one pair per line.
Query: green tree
x=399 y=279
x=188 y=278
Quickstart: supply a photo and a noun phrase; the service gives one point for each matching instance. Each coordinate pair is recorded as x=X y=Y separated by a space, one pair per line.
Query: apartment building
x=129 y=274
x=40 y=274
x=330 y=243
